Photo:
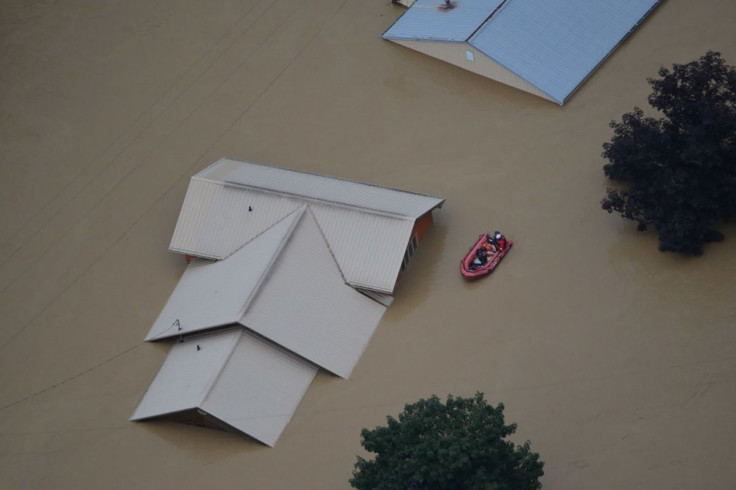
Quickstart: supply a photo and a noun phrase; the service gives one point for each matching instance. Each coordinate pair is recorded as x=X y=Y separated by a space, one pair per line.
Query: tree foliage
x=460 y=444
x=678 y=171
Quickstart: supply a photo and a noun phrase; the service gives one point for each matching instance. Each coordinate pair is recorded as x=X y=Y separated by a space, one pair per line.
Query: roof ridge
x=327 y=243
x=272 y=259
x=482 y=24
x=317 y=174
x=213 y=379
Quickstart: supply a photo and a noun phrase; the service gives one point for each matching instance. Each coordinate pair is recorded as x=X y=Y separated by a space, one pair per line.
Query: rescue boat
x=471 y=271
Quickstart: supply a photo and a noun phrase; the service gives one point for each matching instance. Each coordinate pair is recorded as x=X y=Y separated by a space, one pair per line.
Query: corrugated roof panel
x=186 y=375
x=428 y=20
x=556 y=44
x=259 y=388
x=306 y=307
x=233 y=375
x=369 y=248
x=193 y=216
x=216 y=219
x=212 y=294
x=310 y=186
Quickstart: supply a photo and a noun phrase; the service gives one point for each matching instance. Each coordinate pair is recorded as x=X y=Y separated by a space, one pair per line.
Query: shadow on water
x=202 y=443
x=635 y=258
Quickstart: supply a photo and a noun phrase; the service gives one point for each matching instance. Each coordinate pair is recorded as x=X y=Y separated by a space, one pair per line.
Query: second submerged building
x=544 y=47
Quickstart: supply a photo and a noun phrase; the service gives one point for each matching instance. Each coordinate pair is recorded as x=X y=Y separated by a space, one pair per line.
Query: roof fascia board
x=165 y=335
x=424 y=40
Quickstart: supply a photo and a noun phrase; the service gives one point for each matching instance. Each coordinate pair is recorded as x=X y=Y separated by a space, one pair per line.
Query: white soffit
x=305 y=306
x=245 y=381
x=212 y=294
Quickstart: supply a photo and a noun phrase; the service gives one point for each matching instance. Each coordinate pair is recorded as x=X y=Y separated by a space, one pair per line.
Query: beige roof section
x=216 y=219
x=286 y=286
x=233 y=375
x=368 y=247
x=306 y=307
x=212 y=294
x=366 y=226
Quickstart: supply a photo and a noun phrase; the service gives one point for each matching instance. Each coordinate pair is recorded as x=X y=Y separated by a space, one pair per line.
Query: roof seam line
x=485 y=21
x=218 y=371
x=272 y=260
x=327 y=243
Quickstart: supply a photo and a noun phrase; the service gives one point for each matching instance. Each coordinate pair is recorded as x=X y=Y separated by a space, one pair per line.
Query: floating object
x=472 y=271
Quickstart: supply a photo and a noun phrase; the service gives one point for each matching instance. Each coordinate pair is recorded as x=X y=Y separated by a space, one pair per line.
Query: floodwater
x=616 y=361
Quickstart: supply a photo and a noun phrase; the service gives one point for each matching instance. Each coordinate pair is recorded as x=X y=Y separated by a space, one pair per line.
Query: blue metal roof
x=556 y=44
x=428 y=20
x=552 y=44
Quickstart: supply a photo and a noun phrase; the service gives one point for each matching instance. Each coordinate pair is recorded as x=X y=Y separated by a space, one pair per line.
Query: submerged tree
x=678 y=171
x=460 y=444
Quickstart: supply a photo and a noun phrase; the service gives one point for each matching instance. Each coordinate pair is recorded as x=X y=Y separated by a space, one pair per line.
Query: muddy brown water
x=616 y=361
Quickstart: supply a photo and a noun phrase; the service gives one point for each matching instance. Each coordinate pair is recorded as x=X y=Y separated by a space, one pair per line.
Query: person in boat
x=480 y=258
x=501 y=241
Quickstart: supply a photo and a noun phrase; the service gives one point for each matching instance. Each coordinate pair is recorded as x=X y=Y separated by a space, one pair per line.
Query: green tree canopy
x=678 y=171
x=458 y=445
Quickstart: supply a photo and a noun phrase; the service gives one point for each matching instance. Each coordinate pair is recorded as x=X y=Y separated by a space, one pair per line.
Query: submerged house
x=289 y=272
x=544 y=47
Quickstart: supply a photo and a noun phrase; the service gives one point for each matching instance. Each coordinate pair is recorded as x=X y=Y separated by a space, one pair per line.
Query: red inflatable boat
x=469 y=267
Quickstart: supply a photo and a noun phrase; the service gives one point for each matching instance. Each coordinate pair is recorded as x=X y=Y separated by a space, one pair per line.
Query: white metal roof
x=216 y=219
x=233 y=375
x=284 y=285
x=429 y=20
x=554 y=45
x=368 y=247
x=367 y=227
x=305 y=306
x=212 y=294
